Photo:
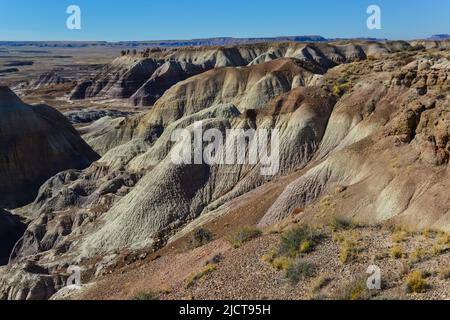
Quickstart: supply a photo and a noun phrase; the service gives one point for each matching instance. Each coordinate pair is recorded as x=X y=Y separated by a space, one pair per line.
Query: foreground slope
x=364 y=134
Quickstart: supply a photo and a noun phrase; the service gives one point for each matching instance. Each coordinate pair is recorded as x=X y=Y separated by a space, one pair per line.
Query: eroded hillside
x=364 y=134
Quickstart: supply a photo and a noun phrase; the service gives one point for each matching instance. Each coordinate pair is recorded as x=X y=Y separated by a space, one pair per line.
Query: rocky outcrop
x=36 y=142
x=28 y=281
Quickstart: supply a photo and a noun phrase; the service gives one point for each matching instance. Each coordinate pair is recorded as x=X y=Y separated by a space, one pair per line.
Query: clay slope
x=36 y=142
x=247 y=88
x=386 y=152
x=351 y=144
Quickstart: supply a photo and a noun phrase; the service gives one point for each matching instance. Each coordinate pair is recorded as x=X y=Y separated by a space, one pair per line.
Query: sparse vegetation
x=437 y=249
x=399 y=236
x=286 y=257
x=429 y=233
x=201 y=237
x=416 y=282
x=355 y=290
x=348 y=252
x=281 y=263
x=146 y=296
x=245 y=235
x=193 y=279
x=444 y=274
x=444 y=239
x=216 y=259
x=417 y=255
x=298 y=270
x=296 y=239
x=340 y=89
x=342 y=223
x=397 y=252
x=320 y=282
x=306 y=246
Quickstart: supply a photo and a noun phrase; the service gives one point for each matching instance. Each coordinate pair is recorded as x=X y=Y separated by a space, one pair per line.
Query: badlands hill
x=144 y=76
x=36 y=142
x=364 y=135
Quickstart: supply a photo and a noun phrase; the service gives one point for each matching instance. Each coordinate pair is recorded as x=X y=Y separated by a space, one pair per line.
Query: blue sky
x=186 y=19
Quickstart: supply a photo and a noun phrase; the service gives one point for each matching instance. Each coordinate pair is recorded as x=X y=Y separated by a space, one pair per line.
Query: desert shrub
x=216 y=259
x=245 y=235
x=405 y=268
x=417 y=255
x=444 y=274
x=396 y=252
x=296 y=239
x=281 y=263
x=340 y=89
x=146 y=296
x=399 y=236
x=193 y=279
x=381 y=256
x=201 y=237
x=298 y=270
x=306 y=246
x=355 y=290
x=269 y=257
x=429 y=233
x=348 y=252
x=320 y=282
x=437 y=249
x=342 y=223
x=416 y=283
x=444 y=238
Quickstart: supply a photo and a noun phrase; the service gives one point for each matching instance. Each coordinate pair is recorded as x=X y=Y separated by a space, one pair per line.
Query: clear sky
x=116 y=20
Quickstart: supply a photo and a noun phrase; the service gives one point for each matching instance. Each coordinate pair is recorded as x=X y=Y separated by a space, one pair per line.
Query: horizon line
x=325 y=39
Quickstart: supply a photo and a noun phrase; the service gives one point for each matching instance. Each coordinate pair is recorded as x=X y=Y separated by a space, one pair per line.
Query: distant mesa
x=438 y=37
x=18 y=63
x=217 y=41
x=9 y=70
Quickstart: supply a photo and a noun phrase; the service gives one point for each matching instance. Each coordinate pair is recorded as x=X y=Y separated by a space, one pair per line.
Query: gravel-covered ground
x=242 y=273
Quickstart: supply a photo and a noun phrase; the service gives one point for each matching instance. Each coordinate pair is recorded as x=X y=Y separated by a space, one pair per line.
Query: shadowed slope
x=36 y=142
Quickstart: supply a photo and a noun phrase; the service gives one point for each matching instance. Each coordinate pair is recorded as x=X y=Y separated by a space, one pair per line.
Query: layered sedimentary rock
x=146 y=76
x=48 y=79
x=36 y=142
x=387 y=145
x=162 y=79
x=363 y=132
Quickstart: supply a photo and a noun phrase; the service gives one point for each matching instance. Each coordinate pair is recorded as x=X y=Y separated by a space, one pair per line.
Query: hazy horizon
x=183 y=20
